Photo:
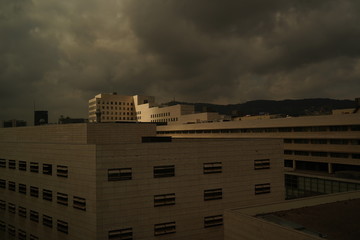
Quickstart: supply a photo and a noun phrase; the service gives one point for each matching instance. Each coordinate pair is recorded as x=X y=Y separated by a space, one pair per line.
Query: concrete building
x=316 y=148
x=332 y=217
x=14 y=123
x=120 y=181
x=106 y=107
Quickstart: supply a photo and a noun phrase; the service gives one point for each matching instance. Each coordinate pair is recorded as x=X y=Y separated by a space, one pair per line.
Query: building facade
x=111 y=107
x=120 y=181
x=315 y=147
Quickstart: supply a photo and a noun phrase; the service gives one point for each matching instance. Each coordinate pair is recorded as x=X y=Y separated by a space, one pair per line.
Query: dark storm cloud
x=60 y=54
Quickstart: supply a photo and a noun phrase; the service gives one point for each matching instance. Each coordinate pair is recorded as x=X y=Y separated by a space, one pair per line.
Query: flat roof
x=335 y=221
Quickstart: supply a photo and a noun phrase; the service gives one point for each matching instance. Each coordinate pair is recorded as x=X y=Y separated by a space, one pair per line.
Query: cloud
x=60 y=54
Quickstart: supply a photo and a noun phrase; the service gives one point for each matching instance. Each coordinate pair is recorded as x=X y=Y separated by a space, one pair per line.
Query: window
x=62 y=226
x=47 y=169
x=212 y=194
x=11 y=186
x=47 y=195
x=62 y=198
x=33 y=237
x=62 y=171
x=79 y=203
x=21 y=234
x=2 y=163
x=11 y=208
x=2 y=183
x=34 y=191
x=261 y=164
x=262 y=188
x=47 y=221
x=121 y=234
x=11 y=230
x=288 y=163
x=119 y=174
x=22 y=188
x=2 y=205
x=22 y=212
x=213 y=221
x=34 y=216
x=164 y=199
x=34 y=167
x=164 y=228
x=212 y=167
x=12 y=164
x=22 y=165
x=164 y=171
x=2 y=226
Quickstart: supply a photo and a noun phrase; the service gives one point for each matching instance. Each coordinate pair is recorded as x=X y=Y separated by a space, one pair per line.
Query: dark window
x=212 y=167
x=34 y=216
x=12 y=164
x=288 y=163
x=62 y=171
x=338 y=128
x=47 y=221
x=339 y=141
x=21 y=234
x=62 y=198
x=2 y=163
x=34 y=191
x=11 y=230
x=213 y=221
x=2 y=183
x=119 y=174
x=79 y=203
x=288 y=152
x=301 y=153
x=62 y=226
x=301 y=141
x=164 y=171
x=339 y=155
x=22 y=165
x=261 y=164
x=11 y=186
x=47 y=195
x=286 y=140
x=262 y=188
x=33 y=237
x=164 y=199
x=2 y=205
x=22 y=212
x=121 y=234
x=22 y=188
x=2 y=226
x=319 y=154
x=164 y=228
x=318 y=141
x=355 y=156
x=47 y=169
x=355 y=128
x=11 y=208
x=212 y=194
x=34 y=167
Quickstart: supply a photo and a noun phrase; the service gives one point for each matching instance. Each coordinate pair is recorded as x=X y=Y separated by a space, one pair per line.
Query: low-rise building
x=120 y=181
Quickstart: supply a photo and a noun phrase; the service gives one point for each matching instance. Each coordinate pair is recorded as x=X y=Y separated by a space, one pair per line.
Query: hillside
x=316 y=106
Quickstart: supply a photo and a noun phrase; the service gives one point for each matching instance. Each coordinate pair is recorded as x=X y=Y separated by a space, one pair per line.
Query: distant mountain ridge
x=300 y=107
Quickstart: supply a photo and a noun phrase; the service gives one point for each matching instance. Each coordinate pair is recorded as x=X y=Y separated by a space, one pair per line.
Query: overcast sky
x=59 y=54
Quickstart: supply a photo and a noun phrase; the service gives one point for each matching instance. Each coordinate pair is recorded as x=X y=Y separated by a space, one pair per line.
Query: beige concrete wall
x=133 y=200
x=80 y=160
